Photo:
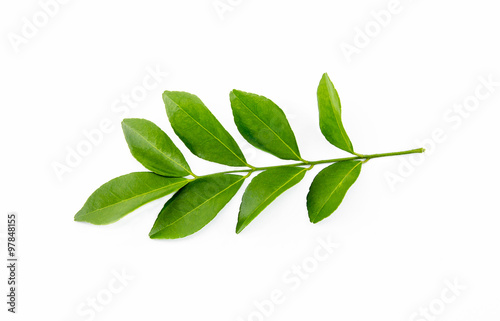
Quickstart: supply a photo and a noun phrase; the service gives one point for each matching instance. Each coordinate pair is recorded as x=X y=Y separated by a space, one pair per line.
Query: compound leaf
x=330 y=121
x=152 y=147
x=264 y=125
x=200 y=131
x=264 y=189
x=329 y=188
x=123 y=194
x=195 y=205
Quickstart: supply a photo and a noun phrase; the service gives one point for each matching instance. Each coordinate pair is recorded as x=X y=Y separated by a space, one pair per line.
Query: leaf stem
x=364 y=158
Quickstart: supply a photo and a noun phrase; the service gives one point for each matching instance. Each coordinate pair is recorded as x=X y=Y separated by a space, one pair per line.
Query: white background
x=398 y=247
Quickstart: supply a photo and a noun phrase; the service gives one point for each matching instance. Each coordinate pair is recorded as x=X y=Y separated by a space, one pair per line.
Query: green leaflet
x=200 y=131
x=330 y=121
x=264 y=125
x=195 y=206
x=264 y=189
x=329 y=188
x=123 y=194
x=153 y=148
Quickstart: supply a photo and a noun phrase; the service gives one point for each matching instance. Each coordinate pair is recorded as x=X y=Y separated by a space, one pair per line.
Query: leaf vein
x=222 y=143
x=136 y=196
x=270 y=195
x=337 y=187
x=195 y=208
x=276 y=134
x=161 y=152
x=337 y=120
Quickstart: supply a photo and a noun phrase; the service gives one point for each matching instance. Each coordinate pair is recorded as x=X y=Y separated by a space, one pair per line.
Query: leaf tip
x=239 y=228
x=77 y=217
x=313 y=220
x=233 y=94
x=166 y=95
x=126 y=122
x=153 y=234
x=316 y=217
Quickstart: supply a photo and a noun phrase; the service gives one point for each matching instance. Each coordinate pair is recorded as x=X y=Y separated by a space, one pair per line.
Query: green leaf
x=198 y=128
x=264 y=125
x=264 y=189
x=153 y=148
x=330 y=120
x=329 y=188
x=195 y=206
x=123 y=194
